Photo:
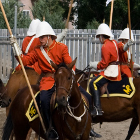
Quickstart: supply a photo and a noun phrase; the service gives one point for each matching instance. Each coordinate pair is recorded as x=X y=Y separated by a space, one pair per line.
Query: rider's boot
x=97 y=105
x=94 y=134
x=52 y=134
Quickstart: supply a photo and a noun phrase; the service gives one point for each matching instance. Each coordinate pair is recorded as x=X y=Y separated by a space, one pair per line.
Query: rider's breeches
x=97 y=83
x=45 y=97
x=87 y=95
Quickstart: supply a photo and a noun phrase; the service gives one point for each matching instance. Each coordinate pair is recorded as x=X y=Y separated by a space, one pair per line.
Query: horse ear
x=70 y=66
x=53 y=65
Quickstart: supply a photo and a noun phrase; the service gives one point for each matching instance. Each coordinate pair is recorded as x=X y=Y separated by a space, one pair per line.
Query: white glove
x=16 y=49
x=128 y=44
x=136 y=66
x=12 y=40
x=62 y=35
x=93 y=64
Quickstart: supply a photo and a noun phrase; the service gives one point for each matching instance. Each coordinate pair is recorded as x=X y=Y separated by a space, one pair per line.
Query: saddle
x=123 y=88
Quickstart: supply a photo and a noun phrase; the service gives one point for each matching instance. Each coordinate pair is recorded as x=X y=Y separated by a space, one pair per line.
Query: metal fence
x=81 y=43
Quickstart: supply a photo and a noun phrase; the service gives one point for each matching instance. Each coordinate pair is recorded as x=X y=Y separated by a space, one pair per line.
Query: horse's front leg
x=132 y=128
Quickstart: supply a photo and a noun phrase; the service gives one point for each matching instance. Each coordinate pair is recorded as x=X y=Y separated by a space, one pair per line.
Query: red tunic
x=25 y=43
x=123 y=57
x=108 y=54
x=57 y=52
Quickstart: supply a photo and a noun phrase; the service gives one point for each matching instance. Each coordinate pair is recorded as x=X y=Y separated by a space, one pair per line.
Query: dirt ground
x=109 y=131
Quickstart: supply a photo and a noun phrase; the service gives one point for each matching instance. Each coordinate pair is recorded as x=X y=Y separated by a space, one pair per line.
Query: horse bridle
x=70 y=89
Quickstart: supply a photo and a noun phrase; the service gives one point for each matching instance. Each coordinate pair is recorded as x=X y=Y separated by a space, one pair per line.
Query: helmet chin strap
x=47 y=41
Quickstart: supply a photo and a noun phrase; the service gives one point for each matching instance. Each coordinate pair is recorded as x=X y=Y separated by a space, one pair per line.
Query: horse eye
x=68 y=78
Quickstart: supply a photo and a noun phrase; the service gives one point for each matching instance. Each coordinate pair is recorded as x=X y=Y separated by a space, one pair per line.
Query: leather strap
x=27 y=49
x=119 y=63
x=48 y=74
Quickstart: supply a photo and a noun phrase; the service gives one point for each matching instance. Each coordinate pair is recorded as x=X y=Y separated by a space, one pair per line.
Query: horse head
x=64 y=79
x=4 y=99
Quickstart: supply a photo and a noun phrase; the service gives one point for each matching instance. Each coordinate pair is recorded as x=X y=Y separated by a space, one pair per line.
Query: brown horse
x=17 y=81
x=71 y=128
x=118 y=109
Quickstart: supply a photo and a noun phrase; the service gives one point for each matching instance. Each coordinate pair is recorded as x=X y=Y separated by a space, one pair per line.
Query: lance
x=111 y=13
x=68 y=17
x=66 y=26
x=129 y=23
x=24 y=72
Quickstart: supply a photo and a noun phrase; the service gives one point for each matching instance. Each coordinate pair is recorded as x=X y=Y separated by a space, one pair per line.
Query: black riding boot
x=94 y=134
x=52 y=134
x=97 y=105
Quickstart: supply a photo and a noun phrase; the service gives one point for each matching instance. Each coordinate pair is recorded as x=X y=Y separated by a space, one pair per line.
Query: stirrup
x=53 y=134
x=99 y=112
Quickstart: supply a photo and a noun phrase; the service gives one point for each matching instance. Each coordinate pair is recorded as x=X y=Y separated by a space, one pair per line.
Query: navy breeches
x=45 y=97
x=97 y=82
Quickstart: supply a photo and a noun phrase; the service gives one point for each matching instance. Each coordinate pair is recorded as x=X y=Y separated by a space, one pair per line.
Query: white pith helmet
x=104 y=29
x=44 y=28
x=125 y=35
x=32 y=27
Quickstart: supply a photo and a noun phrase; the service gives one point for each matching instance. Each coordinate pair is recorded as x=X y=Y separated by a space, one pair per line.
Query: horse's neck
x=76 y=100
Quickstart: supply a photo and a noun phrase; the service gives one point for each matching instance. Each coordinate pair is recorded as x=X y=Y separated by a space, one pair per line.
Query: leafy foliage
x=51 y=10
x=89 y=10
x=92 y=25
x=9 y=8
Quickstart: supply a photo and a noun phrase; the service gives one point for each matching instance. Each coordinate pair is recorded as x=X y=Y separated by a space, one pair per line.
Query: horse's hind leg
x=132 y=128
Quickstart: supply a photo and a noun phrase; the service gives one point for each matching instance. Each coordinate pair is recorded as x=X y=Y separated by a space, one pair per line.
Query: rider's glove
x=93 y=64
x=62 y=35
x=128 y=44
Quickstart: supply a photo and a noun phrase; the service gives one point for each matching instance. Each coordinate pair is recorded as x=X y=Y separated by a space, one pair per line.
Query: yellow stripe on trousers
x=94 y=83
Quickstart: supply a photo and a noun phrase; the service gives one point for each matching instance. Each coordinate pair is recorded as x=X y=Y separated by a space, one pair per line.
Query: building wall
x=28 y=6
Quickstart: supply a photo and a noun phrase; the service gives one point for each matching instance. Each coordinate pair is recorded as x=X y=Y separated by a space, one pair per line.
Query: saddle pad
x=31 y=113
x=124 y=88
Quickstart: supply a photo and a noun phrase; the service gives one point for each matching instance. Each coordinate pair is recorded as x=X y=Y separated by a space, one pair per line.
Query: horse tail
x=8 y=127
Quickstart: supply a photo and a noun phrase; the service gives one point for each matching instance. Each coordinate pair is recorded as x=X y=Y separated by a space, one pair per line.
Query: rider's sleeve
x=28 y=59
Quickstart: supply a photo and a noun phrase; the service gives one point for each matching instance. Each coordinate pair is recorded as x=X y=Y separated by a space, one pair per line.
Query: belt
x=48 y=74
x=119 y=63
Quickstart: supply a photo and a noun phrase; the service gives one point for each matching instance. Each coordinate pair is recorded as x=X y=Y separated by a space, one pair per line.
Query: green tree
x=51 y=10
x=9 y=8
x=92 y=25
x=88 y=10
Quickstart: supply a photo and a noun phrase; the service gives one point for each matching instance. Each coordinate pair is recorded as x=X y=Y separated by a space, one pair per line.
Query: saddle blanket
x=31 y=112
x=124 y=88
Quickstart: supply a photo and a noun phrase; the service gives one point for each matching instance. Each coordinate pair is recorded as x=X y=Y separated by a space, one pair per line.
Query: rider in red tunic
x=31 y=41
x=48 y=50
x=124 y=53
x=109 y=54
